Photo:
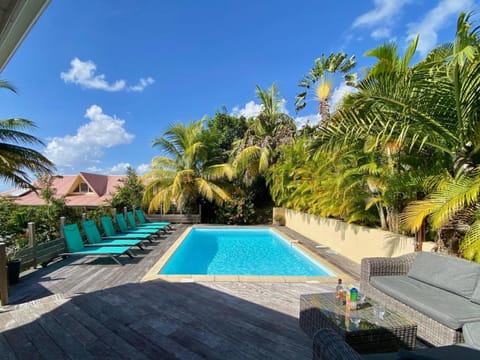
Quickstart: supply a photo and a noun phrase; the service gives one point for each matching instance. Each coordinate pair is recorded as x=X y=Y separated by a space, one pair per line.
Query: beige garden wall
x=352 y=241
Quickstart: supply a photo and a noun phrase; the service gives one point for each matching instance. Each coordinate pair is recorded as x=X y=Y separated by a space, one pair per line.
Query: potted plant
x=13 y=264
x=279 y=220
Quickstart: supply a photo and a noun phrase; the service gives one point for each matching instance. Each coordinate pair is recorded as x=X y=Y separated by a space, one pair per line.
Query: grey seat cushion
x=471 y=334
x=445 y=307
x=476 y=293
x=446 y=272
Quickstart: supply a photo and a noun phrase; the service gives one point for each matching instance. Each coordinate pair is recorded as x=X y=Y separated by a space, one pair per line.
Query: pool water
x=225 y=251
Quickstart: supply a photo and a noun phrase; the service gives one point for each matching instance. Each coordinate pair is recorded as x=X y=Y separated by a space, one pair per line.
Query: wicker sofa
x=440 y=293
x=328 y=345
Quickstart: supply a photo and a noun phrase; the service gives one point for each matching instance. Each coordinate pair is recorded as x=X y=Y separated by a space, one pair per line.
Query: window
x=83 y=188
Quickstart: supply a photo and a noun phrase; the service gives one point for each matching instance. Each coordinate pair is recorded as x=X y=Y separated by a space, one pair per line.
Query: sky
x=103 y=79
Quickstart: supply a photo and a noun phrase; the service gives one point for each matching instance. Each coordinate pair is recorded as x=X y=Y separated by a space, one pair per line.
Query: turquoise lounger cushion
x=73 y=238
x=102 y=250
x=446 y=272
x=140 y=216
x=142 y=219
x=133 y=224
x=94 y=237
x=450 y=309
x=112 y=233
x=122 y=224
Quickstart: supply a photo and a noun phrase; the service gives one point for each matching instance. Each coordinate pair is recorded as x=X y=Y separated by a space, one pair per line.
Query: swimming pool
x=240 y=251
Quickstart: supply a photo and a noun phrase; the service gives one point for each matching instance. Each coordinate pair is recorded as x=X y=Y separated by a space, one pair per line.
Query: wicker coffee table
x=364 y=330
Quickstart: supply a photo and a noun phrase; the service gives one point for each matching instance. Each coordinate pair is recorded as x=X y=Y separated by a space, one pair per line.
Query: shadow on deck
x=88 y=309
x=153 y=320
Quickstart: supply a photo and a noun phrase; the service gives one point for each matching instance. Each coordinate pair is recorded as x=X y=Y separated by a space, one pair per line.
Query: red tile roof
x=102 y=185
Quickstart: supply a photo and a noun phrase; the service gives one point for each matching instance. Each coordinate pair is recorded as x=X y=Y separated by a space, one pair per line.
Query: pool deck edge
x=153 y=273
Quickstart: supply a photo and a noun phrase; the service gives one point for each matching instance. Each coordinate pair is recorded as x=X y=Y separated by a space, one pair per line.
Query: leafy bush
x=240 y=211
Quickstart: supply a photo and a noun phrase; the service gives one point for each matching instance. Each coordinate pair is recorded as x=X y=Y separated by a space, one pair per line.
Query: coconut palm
x=258 y=149
x=17 y=162
x=430 y=108
x=180 y=177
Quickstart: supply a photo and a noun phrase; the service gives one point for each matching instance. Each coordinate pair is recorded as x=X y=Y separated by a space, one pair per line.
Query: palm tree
x=181 y=177
x=430 y=111
x=17 y=162
x=322 y=73
x=258 y=149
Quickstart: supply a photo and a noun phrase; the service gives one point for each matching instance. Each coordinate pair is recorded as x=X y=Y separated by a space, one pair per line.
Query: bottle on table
x=347 y=297
x=339 y=292
x=353 y=298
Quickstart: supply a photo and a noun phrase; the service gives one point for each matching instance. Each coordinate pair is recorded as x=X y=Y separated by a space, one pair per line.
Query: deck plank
x=92 y=308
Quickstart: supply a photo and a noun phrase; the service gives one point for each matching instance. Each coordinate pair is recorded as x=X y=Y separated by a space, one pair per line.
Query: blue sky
x=102 y=79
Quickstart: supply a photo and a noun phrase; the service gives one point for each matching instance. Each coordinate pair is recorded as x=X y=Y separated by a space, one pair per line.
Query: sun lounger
x=76 y=247
x=94 y=237
x=134 y=225
x=110 y=231
x=122 y=224
x=142 y=220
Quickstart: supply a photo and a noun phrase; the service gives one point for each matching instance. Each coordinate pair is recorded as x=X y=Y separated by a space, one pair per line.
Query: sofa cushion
x=471 y=334
x=445 y=307
x=446 y=272
x=476 y=293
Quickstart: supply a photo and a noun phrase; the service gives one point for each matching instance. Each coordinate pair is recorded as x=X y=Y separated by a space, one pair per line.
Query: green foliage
x=239 y=211
x=183 y=177
x=15 y=219
x=407 y=133
x=259 y=147
x=324 y=68
x=130 y=193
x=221 y=132
x=17 y=160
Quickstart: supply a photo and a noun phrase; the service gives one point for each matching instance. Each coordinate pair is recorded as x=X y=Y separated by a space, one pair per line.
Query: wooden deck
x=92 y=309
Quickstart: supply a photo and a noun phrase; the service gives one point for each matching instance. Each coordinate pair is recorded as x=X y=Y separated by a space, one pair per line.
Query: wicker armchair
x=428 y=329
x=328 y=345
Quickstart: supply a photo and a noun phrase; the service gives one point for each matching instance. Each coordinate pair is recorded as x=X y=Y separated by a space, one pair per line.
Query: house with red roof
x=81 y=190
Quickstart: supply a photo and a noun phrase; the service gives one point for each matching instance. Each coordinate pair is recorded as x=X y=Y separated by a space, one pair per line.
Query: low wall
x=352 y=241
x=175 y=218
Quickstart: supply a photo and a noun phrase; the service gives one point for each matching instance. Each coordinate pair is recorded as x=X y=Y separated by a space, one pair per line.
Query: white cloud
x=381 y=33
x=252 y=109
x=95 y=170
x=338 y=93
x=143 y=168
x=312 y=119
x=142 y=84
x=83 y=73
x=434 y=21
x=282 y=107
x=85 y=147
x=381 y=17
x=383 y=11
x=118 y=169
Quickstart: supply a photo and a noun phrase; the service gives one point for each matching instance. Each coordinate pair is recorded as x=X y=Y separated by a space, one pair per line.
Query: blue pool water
x=240 y=252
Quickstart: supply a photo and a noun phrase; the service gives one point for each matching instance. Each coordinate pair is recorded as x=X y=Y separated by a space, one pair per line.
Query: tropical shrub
x=239 y=211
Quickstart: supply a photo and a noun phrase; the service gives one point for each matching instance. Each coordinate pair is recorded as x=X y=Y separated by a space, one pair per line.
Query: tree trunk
x=381 y=215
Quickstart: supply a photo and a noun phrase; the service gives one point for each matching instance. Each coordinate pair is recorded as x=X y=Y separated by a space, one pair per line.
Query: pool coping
x=153 y=273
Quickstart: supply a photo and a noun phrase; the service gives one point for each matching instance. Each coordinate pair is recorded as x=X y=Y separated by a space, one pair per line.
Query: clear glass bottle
x=339 y=292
